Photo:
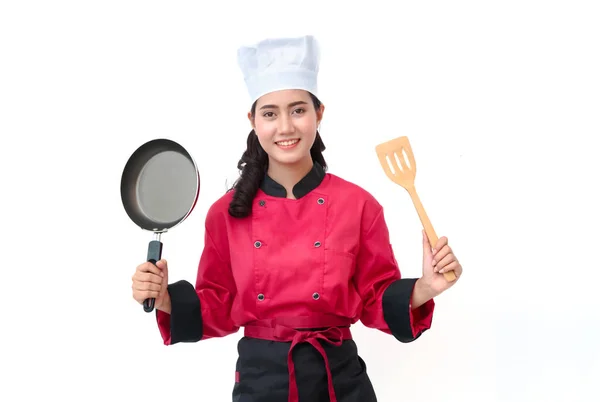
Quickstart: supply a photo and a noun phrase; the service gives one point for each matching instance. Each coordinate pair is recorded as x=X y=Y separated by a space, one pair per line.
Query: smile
x=288 y=143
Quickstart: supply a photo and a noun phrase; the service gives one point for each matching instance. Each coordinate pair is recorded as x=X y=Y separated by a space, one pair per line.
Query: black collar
x=303 y=187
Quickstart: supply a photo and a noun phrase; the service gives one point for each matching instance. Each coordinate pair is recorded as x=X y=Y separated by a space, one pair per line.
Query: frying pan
x=160 y=185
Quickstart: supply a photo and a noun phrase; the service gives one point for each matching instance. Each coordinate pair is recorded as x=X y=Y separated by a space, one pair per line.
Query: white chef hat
x=280 y=63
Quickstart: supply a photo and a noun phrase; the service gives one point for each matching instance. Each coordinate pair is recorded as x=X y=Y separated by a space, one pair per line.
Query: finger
x=162 y=264
x=152 y=278
x=144 y=286
x=148 y=277
x=140 y=296
x=458 y=270
x=444 y=261
x=149 y=267
x=442 y=241
x=441 y=254
x=453 y=266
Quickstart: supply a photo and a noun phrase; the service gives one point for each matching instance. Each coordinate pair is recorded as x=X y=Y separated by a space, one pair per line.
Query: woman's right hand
x=150 y=281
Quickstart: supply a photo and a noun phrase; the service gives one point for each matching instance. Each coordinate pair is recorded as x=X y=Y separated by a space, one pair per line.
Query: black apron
x=279 y=363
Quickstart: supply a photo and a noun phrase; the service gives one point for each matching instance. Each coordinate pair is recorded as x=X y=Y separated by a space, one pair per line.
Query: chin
x=290 y=158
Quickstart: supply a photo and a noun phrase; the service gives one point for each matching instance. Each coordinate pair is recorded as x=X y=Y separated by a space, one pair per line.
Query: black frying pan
x=159 y=189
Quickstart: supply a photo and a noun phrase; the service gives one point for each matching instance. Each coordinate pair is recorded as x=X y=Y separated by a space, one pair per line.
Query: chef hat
x=280 y=63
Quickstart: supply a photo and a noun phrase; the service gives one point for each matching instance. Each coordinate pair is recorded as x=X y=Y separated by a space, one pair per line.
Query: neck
x=289 y=174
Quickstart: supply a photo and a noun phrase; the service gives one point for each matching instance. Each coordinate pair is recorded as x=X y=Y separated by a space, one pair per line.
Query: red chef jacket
x=325 y=256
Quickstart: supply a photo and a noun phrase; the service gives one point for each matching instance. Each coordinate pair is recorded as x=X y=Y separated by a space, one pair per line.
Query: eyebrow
x=290 y=105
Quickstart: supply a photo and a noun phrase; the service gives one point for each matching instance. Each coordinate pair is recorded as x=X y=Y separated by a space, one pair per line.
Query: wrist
x=422 y=293
x=165 y=305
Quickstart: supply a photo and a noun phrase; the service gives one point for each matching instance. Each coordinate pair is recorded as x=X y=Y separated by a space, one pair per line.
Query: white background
x=500 y=101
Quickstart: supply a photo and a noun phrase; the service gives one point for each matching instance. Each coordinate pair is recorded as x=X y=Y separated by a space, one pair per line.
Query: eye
x=268 y=114
x=299 y=110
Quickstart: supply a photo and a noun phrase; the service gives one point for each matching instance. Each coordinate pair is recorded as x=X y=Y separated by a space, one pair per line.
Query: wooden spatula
x=399 y=164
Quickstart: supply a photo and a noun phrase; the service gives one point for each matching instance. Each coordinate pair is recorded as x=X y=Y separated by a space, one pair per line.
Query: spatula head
x=397 y=160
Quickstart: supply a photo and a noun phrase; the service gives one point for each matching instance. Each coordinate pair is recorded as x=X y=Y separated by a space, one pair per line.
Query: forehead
x=283 y=98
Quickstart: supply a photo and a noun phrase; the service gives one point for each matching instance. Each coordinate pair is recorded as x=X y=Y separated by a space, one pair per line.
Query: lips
x=288 y=143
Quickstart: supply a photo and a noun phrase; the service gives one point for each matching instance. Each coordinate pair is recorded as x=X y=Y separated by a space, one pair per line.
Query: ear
x=320 y=113
x=251 y=121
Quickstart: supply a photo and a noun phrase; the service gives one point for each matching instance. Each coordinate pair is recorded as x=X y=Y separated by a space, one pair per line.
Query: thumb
x=427 y=254
x=162 y=264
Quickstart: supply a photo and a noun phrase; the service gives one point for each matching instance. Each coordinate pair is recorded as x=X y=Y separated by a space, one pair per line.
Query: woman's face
x=286 y=124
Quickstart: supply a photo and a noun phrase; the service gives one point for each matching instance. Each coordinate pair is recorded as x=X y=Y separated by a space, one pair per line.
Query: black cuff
x=396 y=309
x=186 y=315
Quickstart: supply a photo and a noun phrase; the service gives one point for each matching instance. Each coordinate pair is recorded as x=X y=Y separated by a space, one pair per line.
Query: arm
x=398 y=306
x=421 y=294
x=202 y=311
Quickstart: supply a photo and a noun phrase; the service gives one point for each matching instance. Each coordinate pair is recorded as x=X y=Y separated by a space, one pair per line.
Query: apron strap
x=275 y=330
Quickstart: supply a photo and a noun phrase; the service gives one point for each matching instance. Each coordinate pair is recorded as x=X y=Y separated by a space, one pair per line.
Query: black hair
x=253 y=166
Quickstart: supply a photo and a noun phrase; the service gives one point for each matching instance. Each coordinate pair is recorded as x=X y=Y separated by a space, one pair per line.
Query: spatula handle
x=431 y=235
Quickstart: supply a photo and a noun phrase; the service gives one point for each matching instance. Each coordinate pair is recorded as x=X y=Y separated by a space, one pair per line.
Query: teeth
x=287 y=143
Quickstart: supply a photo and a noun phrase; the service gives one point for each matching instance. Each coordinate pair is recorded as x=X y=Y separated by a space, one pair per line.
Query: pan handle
x=154 y=255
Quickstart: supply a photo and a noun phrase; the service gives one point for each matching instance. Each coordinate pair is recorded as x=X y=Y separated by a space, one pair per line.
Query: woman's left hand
x=437 y=261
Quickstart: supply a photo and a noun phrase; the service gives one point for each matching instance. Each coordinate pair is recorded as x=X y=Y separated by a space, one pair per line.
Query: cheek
x=264 y=134
x=264 y=127
x=307 y=126
x=309 y=130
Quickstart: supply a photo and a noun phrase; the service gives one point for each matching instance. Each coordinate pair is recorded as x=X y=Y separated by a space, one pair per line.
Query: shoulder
x=221 y=205
x=353 y=191
x=218 y=212
x=216 y=222
x=355 y=196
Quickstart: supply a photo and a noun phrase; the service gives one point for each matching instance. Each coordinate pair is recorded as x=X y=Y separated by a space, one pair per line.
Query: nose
x=285 y=125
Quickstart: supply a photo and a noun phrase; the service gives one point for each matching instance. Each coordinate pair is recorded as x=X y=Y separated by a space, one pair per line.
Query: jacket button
x=316 y=296
x=257 y=244
x=321 y=201
x=262 y=203
x=317 y=244
x=261 y=297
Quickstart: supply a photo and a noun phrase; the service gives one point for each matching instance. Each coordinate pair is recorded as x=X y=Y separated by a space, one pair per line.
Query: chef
x=294 y=254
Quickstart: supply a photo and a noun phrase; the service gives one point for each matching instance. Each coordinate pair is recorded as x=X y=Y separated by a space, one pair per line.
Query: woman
x=293 y=254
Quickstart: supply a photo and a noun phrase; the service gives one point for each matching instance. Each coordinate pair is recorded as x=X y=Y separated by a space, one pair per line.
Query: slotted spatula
x=399 y=164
